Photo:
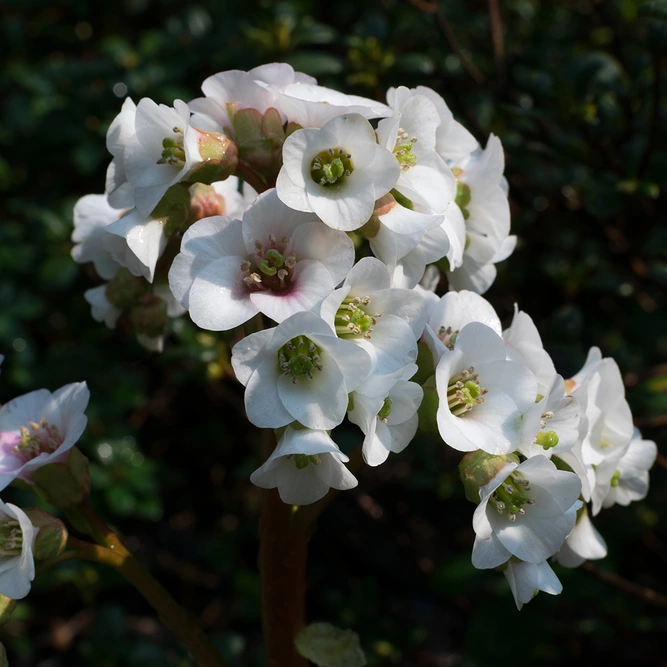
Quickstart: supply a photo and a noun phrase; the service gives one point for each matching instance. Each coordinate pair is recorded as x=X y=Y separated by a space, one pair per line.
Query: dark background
x=575 y=90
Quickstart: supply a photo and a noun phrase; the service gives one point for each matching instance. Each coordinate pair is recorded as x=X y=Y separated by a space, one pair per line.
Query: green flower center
x=403 y=150
x=301 y=461
x=385 y=410
x=352 y=319
x=269 y=268
x=331 y=167
x=511 y=495
x=464 y=392
x=299 y=358
x=172 y=150
x=11 y=538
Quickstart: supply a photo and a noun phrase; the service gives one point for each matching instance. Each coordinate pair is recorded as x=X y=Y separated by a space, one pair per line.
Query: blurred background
x=576 y=91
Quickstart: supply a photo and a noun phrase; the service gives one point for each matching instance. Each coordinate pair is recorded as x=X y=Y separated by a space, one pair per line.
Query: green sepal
x=64 y=484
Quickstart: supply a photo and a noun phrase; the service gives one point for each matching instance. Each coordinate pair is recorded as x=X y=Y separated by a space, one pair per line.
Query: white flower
x=483 y=396
x=136 y=242
x=298 y=371
x=17 y=540
x=583 y=543
x=385 y=409
x=630 y=479
x=163 y=150
x=385 y=321
x=526 y=511
x=40 y=428
x=526 y=579
x=120 y=192
x=92 y=214
x=337 y=172
x=304 y=466
x=101 y=308
x=277 y=261
x=453 y=141
x=451 y=313
x=610 y=427
x=482 y=198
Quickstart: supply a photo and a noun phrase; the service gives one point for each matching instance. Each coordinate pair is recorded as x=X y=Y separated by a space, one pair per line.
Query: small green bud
x=616 y=478
x=64 y=484
x=478 y=468
x=51 y=537
x=221 y=158
x=462 y=195
x=205 y=202
x=382 y=206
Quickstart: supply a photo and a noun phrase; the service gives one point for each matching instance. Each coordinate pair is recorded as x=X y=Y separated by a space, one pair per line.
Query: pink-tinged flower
x=304 y=466
x=298 y=371
x=337 y=172
x=17 y=563
x=276 y=261
x=40 y=428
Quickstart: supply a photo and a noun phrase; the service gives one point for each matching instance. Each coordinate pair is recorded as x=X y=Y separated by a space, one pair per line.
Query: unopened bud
x=204 y=202
x=125 y=289
x=382 y=207
x=51 y=537
x=260 y=138
x=65 y=483
x=173 y=209
x=149 y=317
x=220 y=158
x=478 y=468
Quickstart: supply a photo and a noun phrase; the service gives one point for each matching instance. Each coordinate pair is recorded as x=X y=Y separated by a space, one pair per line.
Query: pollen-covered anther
x=464 y=392
x=40 y=437
x=510 y=496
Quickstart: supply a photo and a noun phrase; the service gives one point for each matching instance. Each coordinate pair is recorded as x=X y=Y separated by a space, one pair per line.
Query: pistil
x=299 y=358
x=331 y=167
x=464 y=392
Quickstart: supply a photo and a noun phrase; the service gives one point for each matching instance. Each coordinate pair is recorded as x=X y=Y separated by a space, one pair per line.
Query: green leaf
x=328 y=646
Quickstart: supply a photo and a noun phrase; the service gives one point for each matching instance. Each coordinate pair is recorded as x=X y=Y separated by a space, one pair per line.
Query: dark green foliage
x=578 y=102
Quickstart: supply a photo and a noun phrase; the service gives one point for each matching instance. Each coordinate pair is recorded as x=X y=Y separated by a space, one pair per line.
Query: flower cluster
x=324 y=223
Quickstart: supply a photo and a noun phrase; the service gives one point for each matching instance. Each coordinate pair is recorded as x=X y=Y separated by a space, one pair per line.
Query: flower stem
x=111 y=551
x=283 y=551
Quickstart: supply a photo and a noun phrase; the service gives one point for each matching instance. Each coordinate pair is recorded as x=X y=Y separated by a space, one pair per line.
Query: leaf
x=328 y=646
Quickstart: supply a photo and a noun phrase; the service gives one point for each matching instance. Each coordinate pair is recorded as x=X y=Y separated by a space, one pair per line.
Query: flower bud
x=51 y=537
x=7 y=606
x=65 y=483
x=260 y=139
x=204 y=202
x=125 y=289
x=478 y=468
x=382 y=207
x=220 y=158
x=149 y=317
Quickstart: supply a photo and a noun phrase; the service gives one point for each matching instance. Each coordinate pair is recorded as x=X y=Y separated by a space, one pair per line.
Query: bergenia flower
x=526 y=579
x=527 y=510
x=483 y=396
x=385 y=408
x=17 y=564
x=583 y=543
x=298 y=371
x=337 y=172
x=276 y=261
x=385 y=321
x=304 y=466
x=40 y=428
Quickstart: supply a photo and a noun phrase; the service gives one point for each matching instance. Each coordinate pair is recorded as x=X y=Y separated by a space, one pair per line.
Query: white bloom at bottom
x=17 y=564
x=526 y=511
x=101 y=308
x=304 y=466
x=526 y=579
x=583 y=543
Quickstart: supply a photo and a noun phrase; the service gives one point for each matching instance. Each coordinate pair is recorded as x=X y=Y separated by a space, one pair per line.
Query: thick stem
x=282 y=566
x=174 y=617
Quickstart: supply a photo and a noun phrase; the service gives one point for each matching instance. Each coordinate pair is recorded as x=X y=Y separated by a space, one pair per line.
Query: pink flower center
x=33 y=440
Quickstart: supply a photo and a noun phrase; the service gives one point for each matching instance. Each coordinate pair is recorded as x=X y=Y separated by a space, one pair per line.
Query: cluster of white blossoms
x=320 y=222
x=38 y=432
